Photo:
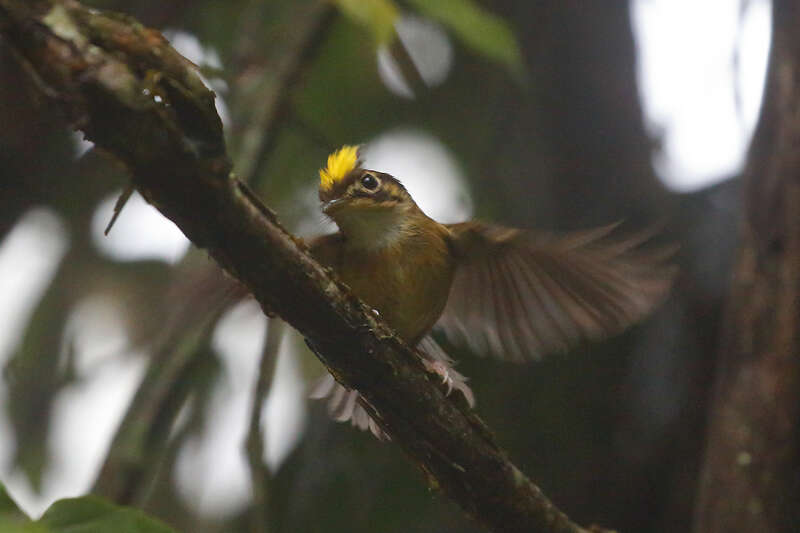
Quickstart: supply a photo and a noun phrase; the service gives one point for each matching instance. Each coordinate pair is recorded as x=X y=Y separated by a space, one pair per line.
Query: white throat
x=372 y=229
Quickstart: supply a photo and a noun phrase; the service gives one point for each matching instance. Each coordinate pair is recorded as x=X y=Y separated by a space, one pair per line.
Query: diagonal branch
x=137 y=98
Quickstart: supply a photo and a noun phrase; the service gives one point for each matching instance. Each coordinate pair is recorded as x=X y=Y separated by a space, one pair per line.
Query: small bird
x=507 y=292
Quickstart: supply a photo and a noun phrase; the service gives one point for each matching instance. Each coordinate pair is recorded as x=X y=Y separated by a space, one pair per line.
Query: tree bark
x=750 y=478
x=137 y=98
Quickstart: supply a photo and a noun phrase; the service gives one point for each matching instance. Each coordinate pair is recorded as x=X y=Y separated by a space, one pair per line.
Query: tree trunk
x=750 y=478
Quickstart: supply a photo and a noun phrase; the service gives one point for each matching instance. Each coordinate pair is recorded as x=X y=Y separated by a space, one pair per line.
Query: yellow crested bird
x=507 y=292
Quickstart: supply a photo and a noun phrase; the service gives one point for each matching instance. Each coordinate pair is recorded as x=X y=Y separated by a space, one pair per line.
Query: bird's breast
x=407 y=284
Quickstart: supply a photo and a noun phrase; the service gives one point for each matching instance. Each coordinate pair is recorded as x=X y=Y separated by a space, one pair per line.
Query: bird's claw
x=440 y=369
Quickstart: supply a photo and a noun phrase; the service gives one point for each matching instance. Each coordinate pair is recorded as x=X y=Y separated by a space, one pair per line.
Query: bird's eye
x=369 y=182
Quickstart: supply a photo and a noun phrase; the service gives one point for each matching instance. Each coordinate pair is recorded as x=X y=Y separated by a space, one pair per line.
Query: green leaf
x=8 y=525
x=478 y=29
x=378 y=16
x=90 y=514
x=8 y=508
x=12 y=520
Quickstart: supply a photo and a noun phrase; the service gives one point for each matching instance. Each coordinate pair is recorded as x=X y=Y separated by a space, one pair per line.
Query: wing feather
x=535 y=334
x=519 y=295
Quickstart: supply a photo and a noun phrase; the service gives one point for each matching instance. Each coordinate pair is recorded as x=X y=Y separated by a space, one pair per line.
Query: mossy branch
x=134 y=96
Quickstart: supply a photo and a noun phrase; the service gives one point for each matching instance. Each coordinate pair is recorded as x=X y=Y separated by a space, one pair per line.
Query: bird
x=510 y=293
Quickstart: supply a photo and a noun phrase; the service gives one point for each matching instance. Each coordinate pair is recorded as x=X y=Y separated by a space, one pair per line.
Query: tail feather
x=345 y=404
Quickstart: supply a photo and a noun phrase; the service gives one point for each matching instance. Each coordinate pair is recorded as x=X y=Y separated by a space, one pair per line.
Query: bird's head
x=371 y=208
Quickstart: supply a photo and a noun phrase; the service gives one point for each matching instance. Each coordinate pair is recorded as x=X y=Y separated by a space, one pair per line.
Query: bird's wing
x=519 y=295
x=326 y=248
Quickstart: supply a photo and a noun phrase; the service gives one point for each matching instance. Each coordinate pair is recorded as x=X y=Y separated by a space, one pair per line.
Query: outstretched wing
x=519 y=295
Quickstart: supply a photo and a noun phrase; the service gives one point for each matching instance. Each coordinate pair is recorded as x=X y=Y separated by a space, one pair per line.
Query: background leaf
x=8 y=508
x=88 y=514
x=377 y=15
x=12 y=520
x=91 y=514
x=484 y=32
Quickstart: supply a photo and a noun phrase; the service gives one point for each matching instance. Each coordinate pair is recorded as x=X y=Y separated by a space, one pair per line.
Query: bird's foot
x=442 y=370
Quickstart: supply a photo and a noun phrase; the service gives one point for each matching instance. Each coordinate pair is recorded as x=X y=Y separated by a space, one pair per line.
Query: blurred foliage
x=9 y=511
x=378 y=16
x=479 y=29
x=88 y=514
x=299 y=78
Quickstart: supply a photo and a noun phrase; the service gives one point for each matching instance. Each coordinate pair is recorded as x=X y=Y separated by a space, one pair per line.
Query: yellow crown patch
x=340 y=164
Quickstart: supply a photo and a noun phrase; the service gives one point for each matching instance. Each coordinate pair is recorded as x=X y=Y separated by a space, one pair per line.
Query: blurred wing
x=519 y=295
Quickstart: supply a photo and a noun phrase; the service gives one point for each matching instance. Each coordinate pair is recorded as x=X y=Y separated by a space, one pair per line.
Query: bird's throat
x=373 y=229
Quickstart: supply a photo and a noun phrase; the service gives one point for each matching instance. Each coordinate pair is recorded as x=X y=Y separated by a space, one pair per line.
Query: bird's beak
x=332 y=205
